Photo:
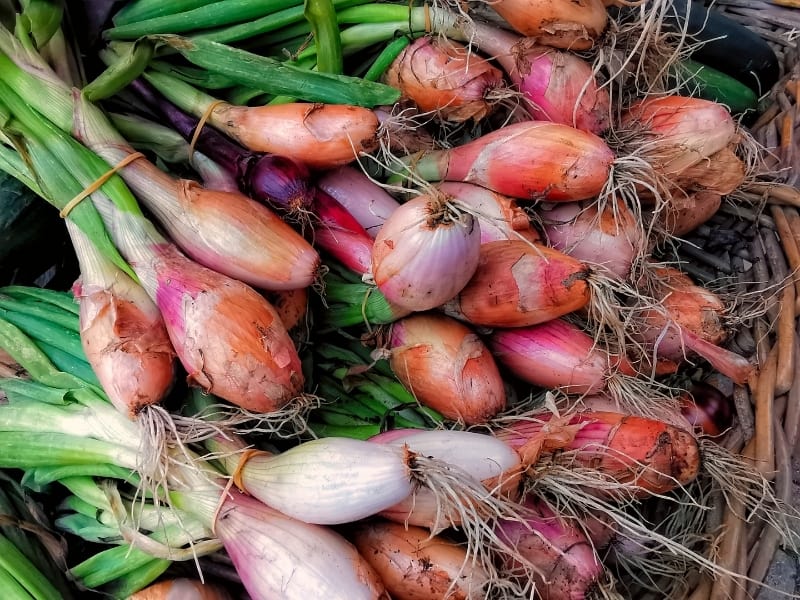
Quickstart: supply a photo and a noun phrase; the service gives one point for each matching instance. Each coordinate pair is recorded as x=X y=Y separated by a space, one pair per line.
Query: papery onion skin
x=531 y=160
x=645 y=455
x=447 y=367
x=677 y=132
x=686 y=212
x=424 y=254
x=500 y=217
x=320 y=135
x=492 y=461
x=291 y=306
x=556 y=354
x=569 y=24
x=567 y=564
x=520 y=283
x=417 y=566
x=126 y=343
x=607 y=236
x=182 y=588
x=443 y=76
x=227 y=336
x=280 y=557
x=687 y=320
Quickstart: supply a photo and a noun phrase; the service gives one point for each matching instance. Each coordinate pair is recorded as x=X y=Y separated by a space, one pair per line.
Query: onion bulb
x=447 y=367
x=443 y=76
x=426 y=251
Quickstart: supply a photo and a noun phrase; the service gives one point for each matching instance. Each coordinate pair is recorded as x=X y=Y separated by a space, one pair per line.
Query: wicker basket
x=757 y=243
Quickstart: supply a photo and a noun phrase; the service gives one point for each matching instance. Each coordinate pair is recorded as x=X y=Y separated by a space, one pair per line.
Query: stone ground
x=785 y=572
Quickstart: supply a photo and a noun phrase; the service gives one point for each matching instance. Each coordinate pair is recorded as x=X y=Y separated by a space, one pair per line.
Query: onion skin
x=609 y=237
x=556 y=354
x=500 y=217
x=322 y=136
x=447 y=367
x=531 y=160
x=291 y=306
x=567 y=565
x=424 y=254
x=645 y=455
x=569 y=24
x=485 y=457
x=688 y=320
x=227 y=336
x=519 y=283
x=443 y=76
x=280 y=557
x=686 y=212
x=560 y=85
x=678 y=132
x=340 y=234
x=126 y=343
x=181 y=589
x=721 y=173
x=365 y=200
x=417 y=566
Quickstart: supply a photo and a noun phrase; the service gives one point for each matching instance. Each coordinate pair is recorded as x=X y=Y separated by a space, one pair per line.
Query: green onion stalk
x=364 y=396
x=350 y=301
x=227 y=336
x=121 y=330
x=31 y=555
x=223 y=230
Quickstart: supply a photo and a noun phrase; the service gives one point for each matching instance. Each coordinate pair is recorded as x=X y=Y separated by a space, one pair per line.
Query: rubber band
x=98 y=183
x=236 y=476
x=201 y=123
x=427 y=11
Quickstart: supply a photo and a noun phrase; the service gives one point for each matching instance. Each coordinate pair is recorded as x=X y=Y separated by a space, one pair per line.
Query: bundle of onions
x=182 y=587
x=626 y=454
x=519 y=283
x=443 y=76
x=686 y=320
x=570 y=24
x=531 y=160
x=500 y=217
x=273 y=179
x=122 y=332
x=280 y=182
x=447 y=367
x=321 y=136
x=225 y=231
x=426 y=252
x=277 y=556
x=417 y=565
x=607 y=236
x=365 y=200
x=568 y=566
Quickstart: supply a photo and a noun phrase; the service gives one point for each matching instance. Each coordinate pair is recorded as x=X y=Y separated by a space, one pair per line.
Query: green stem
x=277 y=78
x=137 y=579
x=23 y=450
x=12 y=589
x=321 y=14
x=63 y=300
x=142 y=10
x=267 y=24
x=217 y=14
x=362 y=432
x=45 y=312
x=385 y=59
x=25 y=572
x=68 y=363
